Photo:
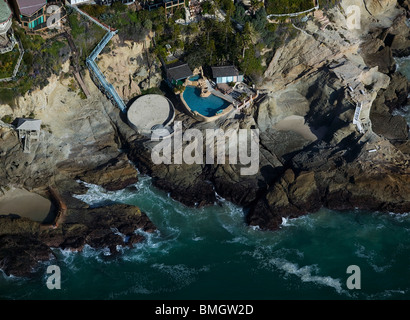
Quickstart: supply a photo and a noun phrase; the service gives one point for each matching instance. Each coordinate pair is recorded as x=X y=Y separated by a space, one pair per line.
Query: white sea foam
x=307 y=274
x=10 y=277
x=370 y=256
x=285 y=222
x=180 y=273
x=386 y=294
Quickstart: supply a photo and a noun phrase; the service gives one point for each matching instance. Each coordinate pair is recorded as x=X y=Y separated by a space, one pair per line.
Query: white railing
x=5 y=27
x=17 y=67
x=109 y=89
x=295 y=14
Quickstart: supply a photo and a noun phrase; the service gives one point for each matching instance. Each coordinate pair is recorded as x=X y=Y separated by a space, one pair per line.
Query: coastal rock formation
x=79 y=141
x=339 y=178
x=321 y=75
x=24 y=243
x=130 y=68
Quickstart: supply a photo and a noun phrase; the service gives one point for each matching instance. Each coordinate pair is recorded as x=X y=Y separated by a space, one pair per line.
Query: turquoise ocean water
x=210 y=253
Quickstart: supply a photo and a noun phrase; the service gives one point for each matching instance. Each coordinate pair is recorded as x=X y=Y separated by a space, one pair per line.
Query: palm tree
x=256 y=5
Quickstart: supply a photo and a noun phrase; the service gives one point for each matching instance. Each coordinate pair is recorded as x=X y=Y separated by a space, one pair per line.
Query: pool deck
x=218 y=93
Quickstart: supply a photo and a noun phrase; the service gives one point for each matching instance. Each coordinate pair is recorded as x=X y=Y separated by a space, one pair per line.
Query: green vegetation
x=7 y=119
x=153 y=90
x=288 y=6
x=249 y=42
x=8 y=61
x=85 y=33
x=41 y=59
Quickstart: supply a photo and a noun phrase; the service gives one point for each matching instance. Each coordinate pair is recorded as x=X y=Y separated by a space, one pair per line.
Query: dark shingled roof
x=226 y=71
x=179 y=71
x=29 y=7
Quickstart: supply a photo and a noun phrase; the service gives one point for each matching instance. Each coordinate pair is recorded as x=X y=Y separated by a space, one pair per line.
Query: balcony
x=33 y=17
x=5 y=27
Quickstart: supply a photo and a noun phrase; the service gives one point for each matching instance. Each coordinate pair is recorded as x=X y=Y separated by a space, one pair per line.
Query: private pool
x=194 y=78
x=208 y=107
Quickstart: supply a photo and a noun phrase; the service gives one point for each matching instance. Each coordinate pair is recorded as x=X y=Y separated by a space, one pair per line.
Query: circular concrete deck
x=148 y=111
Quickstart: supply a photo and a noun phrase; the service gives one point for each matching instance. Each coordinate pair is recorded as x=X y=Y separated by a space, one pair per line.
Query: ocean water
x=210 y=253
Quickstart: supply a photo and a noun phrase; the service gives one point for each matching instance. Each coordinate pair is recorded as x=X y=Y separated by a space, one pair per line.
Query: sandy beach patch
x=296 y=124
x=25 y=204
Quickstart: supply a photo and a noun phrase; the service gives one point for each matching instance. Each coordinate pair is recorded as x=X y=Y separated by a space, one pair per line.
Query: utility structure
x=28 y=130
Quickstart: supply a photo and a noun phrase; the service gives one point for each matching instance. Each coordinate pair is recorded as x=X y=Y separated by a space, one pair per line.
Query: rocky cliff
x=321 y=75
x=79 y=141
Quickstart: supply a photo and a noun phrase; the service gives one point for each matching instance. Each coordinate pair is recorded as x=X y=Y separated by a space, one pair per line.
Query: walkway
x=96 y=74
x=17 y=67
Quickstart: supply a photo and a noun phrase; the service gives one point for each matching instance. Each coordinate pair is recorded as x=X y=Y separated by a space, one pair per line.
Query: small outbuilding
x=178 y=72
x=225 y=74
x=28 y=130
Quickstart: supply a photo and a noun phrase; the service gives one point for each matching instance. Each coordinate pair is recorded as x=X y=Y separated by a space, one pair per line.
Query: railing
x=102 y=25
x=17 y=67
x=10 y=46
x=108 y=88
x=4 y=28
x=295 y=14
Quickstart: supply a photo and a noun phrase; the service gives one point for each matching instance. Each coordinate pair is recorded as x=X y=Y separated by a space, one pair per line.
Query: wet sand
x=25 y=204
x=296 y=124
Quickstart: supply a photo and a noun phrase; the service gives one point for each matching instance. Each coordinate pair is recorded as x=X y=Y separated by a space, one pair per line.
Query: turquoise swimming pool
x=194 y=78
x=208 y=107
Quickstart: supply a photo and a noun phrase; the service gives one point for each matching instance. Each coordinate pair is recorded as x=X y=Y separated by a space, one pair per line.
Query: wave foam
x=306 y=274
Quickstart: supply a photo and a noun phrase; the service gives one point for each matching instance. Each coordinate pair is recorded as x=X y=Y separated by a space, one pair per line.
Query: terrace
x=207 y=101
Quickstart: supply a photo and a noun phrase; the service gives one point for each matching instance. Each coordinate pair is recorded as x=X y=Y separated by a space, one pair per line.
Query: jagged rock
x=20 y=253
x=23 y=243
x=394 y=97
x=114 y=175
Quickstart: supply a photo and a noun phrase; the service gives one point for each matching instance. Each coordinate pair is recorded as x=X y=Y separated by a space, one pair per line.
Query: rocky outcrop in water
x=25 y=243
x=79 y=141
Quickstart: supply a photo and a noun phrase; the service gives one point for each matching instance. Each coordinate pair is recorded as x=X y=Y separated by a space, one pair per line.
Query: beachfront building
x=28 y=130
x=30 y=13
x=226 y=74
x=177 y=73
x=5 y=23
x=7 y=40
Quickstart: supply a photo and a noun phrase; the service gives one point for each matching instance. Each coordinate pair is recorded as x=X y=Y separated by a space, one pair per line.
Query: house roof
x=5 y=12
x=179 y=71
x=29 y=124
x=29 y=7
x=225 y=71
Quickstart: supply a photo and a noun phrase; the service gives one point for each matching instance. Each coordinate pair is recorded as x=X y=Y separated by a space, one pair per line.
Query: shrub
x=7 y=118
